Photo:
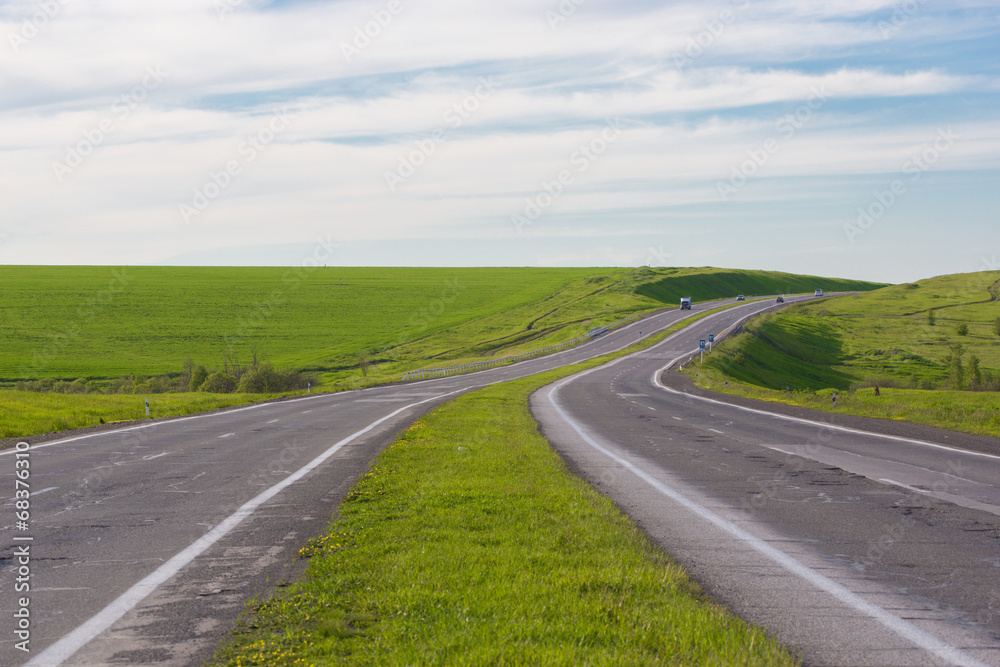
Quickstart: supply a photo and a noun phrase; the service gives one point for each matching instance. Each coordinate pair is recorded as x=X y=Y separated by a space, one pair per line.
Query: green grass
x=96 y=324
x=24 y=413
x=705 y=283
x=99 y=322
x=884 y=338
x=469 y=542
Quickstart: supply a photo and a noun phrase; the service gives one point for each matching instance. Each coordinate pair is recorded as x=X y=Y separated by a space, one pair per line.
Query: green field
x=98 y=322
x=470 y=543
x=945 y=373
x=94 y=333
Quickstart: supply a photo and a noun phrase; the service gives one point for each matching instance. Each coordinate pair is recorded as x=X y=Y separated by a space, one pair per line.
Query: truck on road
x=685 y=303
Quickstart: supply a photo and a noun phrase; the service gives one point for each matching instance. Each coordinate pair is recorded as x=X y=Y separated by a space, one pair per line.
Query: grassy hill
x=933 y=343
x=703 y=283
x=98 y=322
x=100 y=331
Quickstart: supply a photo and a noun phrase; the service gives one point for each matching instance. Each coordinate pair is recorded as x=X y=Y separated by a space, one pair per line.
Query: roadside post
x=711 y=340
x=702 y=347
x=147 y=407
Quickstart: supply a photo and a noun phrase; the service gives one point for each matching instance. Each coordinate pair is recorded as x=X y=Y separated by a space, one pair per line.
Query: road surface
x=146 y=541
x=860 y=542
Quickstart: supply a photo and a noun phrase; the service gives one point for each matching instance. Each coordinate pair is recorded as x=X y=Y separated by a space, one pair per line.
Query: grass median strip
x=469 y=542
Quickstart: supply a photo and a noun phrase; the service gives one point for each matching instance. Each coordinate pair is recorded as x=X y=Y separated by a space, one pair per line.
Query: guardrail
x=427 y=373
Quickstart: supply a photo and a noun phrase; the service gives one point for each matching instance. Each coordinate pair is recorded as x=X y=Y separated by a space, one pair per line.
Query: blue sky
x=859 y=138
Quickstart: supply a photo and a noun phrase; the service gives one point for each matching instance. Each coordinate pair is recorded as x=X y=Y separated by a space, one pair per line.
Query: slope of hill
x=934 y=344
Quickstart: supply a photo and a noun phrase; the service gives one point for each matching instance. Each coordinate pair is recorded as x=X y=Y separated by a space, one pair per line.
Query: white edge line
x=69 y=644
x=177 y=420
x=905 y=486
x=895 y=624
x=801 y=420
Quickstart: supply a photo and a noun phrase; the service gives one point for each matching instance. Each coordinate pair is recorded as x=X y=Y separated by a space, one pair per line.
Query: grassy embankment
x=931 y=347
x=128 y=332
x=469 y=542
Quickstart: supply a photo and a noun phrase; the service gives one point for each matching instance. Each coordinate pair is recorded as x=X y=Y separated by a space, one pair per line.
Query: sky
x=857 y=138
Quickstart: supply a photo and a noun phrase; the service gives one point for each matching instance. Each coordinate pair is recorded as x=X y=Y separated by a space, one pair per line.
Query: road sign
x=702 y=345
x=711 y=338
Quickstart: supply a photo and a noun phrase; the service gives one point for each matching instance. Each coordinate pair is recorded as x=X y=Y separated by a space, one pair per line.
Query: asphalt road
x=147 y=541
x=859 y=542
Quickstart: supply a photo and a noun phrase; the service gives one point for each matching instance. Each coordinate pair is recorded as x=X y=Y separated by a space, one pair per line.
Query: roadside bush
x=265 y=379
x=962 y=329
x=198 y=377
x=219 y=383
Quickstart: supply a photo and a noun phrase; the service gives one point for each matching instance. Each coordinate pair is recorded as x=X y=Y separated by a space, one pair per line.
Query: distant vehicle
x=741 y=298
x=781 y=299
x=819 y=292
x=685 y=303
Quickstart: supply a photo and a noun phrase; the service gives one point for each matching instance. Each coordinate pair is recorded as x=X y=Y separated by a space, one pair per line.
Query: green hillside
x=99 y=322
x=935 y=344
x=709 y=283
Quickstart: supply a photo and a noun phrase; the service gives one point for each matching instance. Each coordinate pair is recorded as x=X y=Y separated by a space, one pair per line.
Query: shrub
x=265 y=379
x=962 y=329
x=219 y=383
x=930 y=317
x=198 y=377
x=975 y=373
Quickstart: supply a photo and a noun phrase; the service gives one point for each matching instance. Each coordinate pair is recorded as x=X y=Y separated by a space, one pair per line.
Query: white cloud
x=686 y=127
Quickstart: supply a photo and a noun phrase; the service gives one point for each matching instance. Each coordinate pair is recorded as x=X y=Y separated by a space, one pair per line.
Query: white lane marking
x=305 y=412
x=906 y=630
x=800 y=420
x=151 y=456
x=905 y=486
x=38 y=493
x=226 y=435
x=716 y=431
x=273 y=421
x=677 y=418
x=69 y=644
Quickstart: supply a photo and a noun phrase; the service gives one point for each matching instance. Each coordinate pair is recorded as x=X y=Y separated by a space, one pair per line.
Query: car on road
x=741 y=298
x=685 y=303
x=819 y=292
x=781 y=299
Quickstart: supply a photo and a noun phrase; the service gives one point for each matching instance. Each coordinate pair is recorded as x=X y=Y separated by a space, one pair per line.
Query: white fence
x=426 y=373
